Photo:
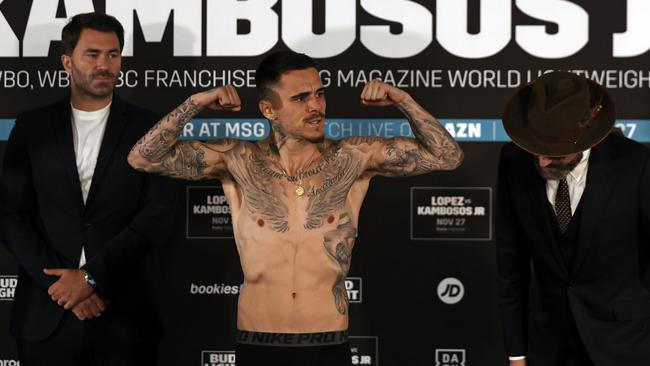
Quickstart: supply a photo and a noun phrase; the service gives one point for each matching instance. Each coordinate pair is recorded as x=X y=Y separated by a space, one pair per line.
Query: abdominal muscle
x=294 y=273
x=288 y=278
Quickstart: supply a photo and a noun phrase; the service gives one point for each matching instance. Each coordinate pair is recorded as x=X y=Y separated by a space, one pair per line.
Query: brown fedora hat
x=559 y=114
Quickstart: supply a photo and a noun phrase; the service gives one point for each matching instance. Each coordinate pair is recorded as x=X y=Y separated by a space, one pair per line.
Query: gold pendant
x=300 y=191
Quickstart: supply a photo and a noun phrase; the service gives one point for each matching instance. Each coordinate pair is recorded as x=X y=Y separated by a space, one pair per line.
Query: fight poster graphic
x=208 y=213
x=451 y=213
x=365 y=350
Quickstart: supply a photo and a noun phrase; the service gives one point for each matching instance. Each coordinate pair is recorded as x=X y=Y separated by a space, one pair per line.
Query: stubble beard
x=319 y=138
x=281 y=135
x=556 y=171
x=84 y=84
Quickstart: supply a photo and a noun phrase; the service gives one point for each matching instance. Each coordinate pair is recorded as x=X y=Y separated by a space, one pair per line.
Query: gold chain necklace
x=300 y=173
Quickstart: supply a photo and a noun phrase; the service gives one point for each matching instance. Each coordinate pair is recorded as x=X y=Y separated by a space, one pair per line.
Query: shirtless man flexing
x=295 y=199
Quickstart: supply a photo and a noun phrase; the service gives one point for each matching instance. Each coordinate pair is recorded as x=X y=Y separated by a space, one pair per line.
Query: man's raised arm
x=432 y=149
x=159 y=151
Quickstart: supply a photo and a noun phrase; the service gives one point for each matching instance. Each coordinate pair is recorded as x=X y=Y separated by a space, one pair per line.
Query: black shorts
x=287 y=349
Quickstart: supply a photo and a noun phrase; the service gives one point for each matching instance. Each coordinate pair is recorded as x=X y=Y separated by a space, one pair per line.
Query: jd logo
x=450 y=290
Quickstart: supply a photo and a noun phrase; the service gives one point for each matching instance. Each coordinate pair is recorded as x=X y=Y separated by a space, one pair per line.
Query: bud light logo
x=450 y=357
x=8 y=287
x=218 y=358
x=450 y=290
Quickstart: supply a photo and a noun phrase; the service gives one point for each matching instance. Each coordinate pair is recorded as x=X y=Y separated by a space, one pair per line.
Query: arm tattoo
x=405 y=158
x=338 y=244
x=185 y=160
x=436 y=149
x=167 y=156
x=432 y=149
x=183 y=113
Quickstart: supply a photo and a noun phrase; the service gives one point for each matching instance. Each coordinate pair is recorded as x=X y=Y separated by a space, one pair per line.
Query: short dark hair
x=274 y=65
x=99 y=22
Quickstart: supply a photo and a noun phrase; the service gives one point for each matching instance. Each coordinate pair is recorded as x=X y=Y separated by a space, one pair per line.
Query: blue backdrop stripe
x=336 y=128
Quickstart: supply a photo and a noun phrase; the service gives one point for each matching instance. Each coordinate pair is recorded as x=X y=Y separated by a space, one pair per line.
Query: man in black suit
x=79 y=221
x=573 y=221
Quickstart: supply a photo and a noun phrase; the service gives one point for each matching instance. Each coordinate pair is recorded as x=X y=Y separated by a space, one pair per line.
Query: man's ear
x=267 y=110
x=66 y=61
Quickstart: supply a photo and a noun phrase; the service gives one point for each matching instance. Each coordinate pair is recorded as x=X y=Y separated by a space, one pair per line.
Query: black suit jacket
x=44 y=222
x=606 y=290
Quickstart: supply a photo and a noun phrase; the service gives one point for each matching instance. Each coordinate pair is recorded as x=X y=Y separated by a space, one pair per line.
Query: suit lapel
x=114 y=129
x=595 y=197
x=539 y=210
x=63 y=136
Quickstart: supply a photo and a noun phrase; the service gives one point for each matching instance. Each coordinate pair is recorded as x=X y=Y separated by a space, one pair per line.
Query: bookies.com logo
x=365 y=350
x=7 y=288
x=450 y=290
x=450 y=357
x=353 y=287
x=215 y=289
x=218 y=358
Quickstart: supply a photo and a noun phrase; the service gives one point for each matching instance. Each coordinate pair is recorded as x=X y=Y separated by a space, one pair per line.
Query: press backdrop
x=422 y=282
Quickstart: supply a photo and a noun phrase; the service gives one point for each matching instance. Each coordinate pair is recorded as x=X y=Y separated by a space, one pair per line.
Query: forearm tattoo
x=338 y=244
x=432 y=149
x=436 y=149
x=167 y=156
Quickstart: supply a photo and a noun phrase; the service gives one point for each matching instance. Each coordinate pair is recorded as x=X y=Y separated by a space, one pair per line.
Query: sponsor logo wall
x=419 y=237
x=218 y=358
x=450 y=290
x=353 y=285
x=365 y=350
x=8 y=287
x=450 y=357
x=208 y=214
x=9 y=362
x=451 y=213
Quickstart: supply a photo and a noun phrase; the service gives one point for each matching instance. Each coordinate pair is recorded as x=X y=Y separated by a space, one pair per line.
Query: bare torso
x=295 y=250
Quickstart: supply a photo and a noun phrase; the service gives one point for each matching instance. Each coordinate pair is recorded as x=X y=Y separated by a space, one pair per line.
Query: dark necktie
x=563 y=205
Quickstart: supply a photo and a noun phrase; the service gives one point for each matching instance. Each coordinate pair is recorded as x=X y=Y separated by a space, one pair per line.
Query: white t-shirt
x=87 y=134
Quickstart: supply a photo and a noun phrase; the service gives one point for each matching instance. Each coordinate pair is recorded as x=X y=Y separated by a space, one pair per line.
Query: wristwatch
x=90 y=280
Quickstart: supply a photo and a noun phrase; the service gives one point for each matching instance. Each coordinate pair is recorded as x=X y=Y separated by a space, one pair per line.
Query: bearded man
x=573 y=225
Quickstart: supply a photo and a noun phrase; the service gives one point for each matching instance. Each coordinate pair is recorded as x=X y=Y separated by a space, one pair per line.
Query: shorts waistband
x=292 y=339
